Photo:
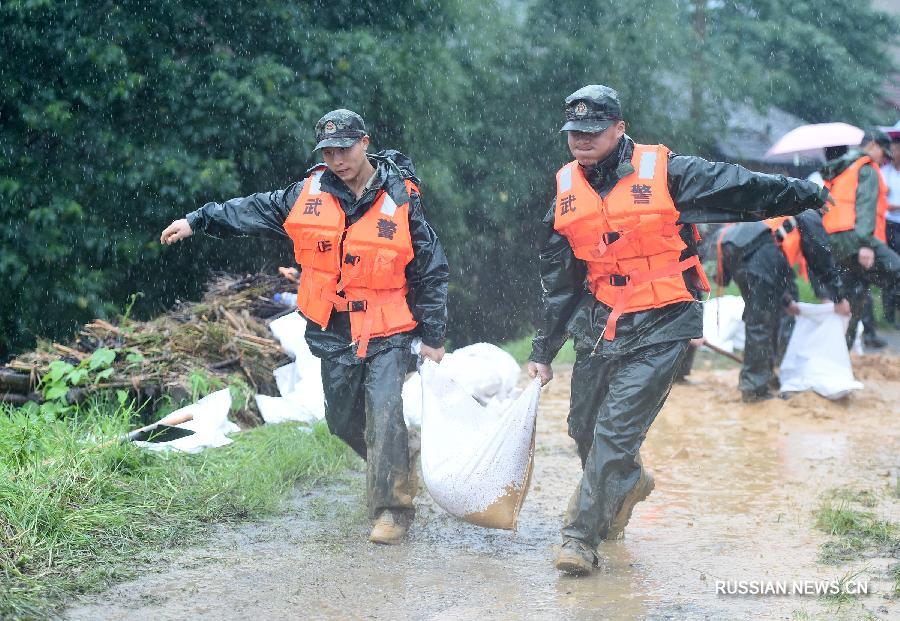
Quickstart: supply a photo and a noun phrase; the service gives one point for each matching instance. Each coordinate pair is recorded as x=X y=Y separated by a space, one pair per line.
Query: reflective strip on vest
x=647 y=165
x=565 y=179
x=388 y=207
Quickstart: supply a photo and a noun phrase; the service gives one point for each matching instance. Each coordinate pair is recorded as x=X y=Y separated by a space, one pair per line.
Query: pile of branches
x=223 y=340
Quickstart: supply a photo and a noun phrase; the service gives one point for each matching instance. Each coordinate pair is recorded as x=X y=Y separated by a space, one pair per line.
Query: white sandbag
x=722 y=322
x=485 y=371
x=299 y=383
x=477 y=460
x=290 y=330
x=816 y=357
x=210 y=425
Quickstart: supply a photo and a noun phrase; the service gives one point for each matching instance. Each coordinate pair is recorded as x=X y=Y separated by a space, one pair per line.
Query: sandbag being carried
x=484 y=370
x=476 y=460
x=816 y=357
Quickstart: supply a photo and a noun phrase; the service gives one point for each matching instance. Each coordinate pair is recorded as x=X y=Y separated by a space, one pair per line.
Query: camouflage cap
x=339 y=128
x=592 y=109
x=881 y=138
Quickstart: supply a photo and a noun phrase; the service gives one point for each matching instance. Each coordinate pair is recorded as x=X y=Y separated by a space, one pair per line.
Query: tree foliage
x=120 y=116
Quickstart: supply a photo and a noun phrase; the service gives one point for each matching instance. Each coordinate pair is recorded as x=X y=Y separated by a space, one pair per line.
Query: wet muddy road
x=736 y=489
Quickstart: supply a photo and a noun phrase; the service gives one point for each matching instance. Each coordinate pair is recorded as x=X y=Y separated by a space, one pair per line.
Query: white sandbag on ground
x=485 y=371
x=722 y=323
x=210 y=425
x=816 y=357
x=300 y=382
x=477 y=460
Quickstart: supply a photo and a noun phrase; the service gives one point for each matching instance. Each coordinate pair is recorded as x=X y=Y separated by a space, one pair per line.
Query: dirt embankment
x=737 y=487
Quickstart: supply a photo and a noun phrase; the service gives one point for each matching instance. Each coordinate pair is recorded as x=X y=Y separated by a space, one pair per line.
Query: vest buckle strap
x=611 y=236
x=357 y=306
x=351 y=259
x=618 y=280
x=323 y=245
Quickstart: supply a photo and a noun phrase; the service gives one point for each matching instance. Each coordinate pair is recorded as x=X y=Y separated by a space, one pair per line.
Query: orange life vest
x=842 y=215
x=630 y=240
x=360 y=269
x=787 y=237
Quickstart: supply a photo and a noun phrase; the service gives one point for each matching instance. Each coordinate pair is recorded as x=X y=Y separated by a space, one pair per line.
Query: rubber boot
x=638 y=493
x=390 y=528
x=575 y=558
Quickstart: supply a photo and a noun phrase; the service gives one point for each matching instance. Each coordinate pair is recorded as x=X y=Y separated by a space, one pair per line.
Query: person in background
x=891 y=174
x=856 y=226
x=759 y=257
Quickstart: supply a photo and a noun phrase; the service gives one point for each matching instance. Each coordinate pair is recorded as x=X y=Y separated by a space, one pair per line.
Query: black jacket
x=263 y=215
x=741 y=242
x=703 y=192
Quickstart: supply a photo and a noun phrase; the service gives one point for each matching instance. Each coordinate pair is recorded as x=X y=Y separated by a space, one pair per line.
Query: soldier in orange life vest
x=373 y=277
x=620 y=274
x=856 y=224
x=759 y=257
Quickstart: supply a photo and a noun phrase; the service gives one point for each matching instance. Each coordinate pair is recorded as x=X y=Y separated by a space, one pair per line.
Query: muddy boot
x=638 y=493
x=575 y=558
x=390 y=528
x=755 y=396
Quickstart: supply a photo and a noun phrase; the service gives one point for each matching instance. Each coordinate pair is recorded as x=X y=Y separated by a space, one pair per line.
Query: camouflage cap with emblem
x=339 y=128
x=592 y=109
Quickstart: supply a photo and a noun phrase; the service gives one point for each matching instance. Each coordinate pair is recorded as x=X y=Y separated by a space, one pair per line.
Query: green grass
x=520 y=349
x=857 y=532
x=74 y=517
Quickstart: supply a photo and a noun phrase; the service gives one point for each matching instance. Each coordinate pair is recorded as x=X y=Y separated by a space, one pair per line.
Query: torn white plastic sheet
x=477 y=460
x=483 y=370
x=210 y=425
x=300 y=382
x=722 y=323
x=817 y=357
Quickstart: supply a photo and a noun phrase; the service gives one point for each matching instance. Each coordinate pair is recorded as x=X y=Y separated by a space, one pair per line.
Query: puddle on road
x=735 y=489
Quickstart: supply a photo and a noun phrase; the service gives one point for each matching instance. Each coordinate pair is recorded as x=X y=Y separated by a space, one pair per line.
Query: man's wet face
x=590 y=148
x=346 y=162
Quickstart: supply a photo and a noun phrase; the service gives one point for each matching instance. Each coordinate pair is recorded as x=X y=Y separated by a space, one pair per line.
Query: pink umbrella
x=817 y=136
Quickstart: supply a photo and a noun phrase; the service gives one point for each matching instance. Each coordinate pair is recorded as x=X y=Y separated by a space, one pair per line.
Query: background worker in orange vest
x=373 y=277
x=856 y=224
x=620 y=274
x=759 y=257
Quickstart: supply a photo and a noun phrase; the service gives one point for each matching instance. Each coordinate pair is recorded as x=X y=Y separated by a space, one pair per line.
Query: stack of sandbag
x=476 y=459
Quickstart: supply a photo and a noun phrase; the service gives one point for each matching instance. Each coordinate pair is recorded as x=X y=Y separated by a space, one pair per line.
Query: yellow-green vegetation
x=520 y=349
x=857 y=534
x=71 y=513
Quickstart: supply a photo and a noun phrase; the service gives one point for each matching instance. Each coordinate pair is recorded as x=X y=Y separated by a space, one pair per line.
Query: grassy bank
x=72 y=515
